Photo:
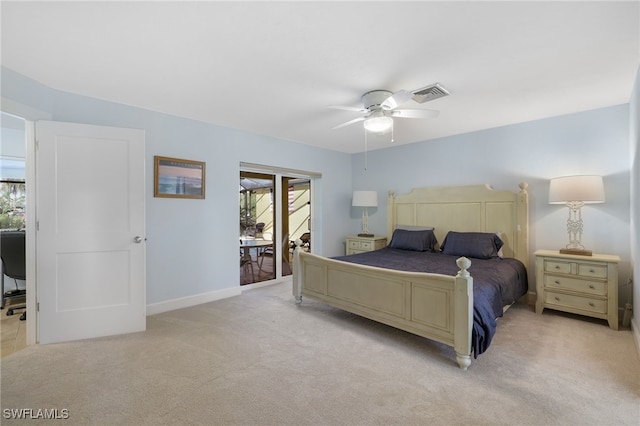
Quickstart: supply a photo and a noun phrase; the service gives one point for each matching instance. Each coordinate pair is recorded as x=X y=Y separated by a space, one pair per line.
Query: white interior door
x=90 y=234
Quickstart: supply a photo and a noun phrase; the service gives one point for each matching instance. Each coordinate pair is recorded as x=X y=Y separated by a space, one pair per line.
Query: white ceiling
x=272 y=68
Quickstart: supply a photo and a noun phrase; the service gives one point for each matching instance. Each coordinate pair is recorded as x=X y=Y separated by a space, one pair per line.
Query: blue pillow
x=413 y=240
x=480 y=245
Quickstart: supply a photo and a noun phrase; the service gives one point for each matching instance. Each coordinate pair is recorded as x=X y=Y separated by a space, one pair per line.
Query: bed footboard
x=438 y=307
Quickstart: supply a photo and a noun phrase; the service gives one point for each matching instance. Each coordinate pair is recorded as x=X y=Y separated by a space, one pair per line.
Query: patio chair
x=306 y=240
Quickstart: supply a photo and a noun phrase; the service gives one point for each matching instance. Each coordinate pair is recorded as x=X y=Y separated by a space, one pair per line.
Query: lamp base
x=366 y=235
x=576 y=251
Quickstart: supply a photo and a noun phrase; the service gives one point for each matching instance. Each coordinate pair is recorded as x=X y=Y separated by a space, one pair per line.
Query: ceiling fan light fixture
x=378 y=124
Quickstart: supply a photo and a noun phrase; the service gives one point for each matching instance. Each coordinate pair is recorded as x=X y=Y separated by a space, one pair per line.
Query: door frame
x=30 y=115
x=31 y=265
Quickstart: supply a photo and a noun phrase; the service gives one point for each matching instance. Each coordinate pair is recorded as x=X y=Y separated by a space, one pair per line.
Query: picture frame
x=178 y=178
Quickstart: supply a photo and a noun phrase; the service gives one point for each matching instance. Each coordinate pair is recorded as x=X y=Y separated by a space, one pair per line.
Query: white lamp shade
x=586 y=188
x=365 y=199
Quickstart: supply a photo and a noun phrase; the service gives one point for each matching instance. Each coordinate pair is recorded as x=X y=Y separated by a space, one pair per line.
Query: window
x=12 y=204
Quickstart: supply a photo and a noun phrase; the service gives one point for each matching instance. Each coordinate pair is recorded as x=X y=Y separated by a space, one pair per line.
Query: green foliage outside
x=247 y=211
x=12 y=205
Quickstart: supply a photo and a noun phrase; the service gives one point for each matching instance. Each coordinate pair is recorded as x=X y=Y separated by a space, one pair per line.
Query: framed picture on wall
x=177 y=178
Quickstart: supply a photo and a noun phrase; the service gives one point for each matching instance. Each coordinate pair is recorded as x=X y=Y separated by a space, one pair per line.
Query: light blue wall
x=634 y=143
x=12 y=147
x=592 y=142
x=192 y=245
x=200 y=236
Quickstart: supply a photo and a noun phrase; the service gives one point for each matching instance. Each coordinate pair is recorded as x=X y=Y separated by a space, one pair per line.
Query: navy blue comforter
x=496 y=282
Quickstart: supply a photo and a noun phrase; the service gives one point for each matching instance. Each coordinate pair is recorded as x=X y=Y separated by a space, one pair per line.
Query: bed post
x=297 y=273
x=464 y=313
x=391 y=215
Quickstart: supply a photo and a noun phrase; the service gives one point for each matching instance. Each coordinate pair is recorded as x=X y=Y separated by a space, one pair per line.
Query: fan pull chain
x=365 y=150
x=392 y=132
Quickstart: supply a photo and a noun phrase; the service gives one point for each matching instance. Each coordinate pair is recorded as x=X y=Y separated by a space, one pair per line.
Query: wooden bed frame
x=438 y=307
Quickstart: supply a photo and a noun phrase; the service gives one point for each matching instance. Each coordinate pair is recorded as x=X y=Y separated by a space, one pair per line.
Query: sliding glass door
x=275 y=211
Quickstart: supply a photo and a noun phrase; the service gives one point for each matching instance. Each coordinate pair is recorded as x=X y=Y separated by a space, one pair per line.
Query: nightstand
x=356 y=244
x=585 y=285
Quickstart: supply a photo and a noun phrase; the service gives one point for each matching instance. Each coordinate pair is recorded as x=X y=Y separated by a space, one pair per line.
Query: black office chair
x=13 y=254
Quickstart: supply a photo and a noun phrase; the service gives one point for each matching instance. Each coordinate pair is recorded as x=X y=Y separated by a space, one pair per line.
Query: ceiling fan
x=379 y=107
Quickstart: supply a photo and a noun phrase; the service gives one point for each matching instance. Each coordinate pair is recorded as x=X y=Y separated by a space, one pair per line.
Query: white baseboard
x=185 y=302
x=265 y=283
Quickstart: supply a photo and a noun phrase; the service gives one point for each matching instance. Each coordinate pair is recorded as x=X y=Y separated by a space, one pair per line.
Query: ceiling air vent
x=429 y=93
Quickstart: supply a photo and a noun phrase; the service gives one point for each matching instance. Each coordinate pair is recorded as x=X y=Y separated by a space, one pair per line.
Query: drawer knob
x=557 y=282
x=591 y=304
x=591 y=286
x=557 y=267
x=557 y=298
x=591 y=271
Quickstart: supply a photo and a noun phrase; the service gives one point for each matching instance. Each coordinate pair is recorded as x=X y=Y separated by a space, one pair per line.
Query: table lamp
x=575 y=192
x=365 y=199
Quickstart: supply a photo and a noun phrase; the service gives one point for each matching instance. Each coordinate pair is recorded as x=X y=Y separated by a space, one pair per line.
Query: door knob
x=137 y=239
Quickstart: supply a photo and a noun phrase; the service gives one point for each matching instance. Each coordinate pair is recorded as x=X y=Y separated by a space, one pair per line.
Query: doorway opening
x=13 y=204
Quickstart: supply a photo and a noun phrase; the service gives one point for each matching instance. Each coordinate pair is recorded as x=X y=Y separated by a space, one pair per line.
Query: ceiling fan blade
x=415 y=113
x=355 y=120
x=396 y=99
x=348 y=108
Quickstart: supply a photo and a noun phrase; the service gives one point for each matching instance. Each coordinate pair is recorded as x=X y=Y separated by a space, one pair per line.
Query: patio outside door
x=276 y=208
x=257 y=228
x=296 y=203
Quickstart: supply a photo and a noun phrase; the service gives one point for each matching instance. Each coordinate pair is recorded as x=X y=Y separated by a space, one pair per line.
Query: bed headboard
x=476 y=208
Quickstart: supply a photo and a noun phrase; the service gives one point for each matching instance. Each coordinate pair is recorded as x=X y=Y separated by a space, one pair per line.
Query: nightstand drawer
x=581 y=285
x=577 y=302
x=353 y=244
x=360 y=245
x=557 y=267
x=595 y=271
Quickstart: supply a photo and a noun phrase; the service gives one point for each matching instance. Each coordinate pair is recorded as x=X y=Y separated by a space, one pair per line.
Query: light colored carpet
x=258 y=359
x=13 y=332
